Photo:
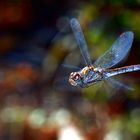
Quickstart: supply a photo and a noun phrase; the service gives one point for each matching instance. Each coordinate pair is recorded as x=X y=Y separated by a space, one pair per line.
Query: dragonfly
x=101 y=69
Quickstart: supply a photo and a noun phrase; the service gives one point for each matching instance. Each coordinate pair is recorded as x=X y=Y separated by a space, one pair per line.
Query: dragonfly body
x=100 y=69
x=90 y=75
x=86 y=76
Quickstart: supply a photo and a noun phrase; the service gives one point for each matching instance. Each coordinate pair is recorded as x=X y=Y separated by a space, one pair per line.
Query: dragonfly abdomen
x=113 y=72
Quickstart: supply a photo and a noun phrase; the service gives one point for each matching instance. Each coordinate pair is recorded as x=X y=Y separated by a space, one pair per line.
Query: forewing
x=80 y=40
x=117 y=52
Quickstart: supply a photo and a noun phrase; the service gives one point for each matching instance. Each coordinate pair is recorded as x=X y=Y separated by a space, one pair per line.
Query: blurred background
x=36 y=100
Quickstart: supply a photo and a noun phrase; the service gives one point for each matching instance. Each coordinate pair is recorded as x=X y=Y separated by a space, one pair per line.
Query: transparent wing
x=117 y=84
x=117 y=52
x=80 y=40
x=71 y=66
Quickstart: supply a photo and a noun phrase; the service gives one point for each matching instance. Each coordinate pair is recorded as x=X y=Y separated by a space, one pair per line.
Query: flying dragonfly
x=101 y=70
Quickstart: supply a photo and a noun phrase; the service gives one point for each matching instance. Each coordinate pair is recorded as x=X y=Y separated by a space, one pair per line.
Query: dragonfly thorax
x=85 y=77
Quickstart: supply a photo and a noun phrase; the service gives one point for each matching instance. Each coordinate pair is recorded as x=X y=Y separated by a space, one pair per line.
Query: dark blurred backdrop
x=36 y=100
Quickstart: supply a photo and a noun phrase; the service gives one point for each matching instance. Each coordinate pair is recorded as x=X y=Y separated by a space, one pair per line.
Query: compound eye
x=76 y=77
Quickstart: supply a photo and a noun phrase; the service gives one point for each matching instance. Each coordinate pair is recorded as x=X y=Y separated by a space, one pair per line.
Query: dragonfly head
x=82 y=77
x=75 y=79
